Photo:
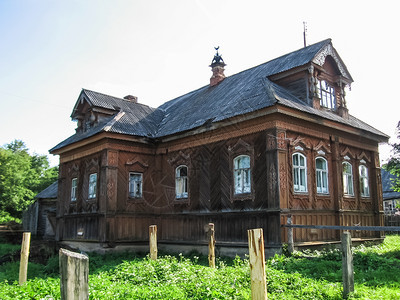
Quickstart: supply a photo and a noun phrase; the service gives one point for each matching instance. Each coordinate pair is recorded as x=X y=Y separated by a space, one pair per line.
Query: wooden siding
x=114 y=217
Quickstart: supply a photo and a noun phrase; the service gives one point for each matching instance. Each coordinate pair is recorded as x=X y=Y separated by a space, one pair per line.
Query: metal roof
x=239 y=94
x=50 y=192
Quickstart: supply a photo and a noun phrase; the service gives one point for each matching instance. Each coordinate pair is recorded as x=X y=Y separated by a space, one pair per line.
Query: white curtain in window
x=92 y=185
x=242 y=174
x=364 y=186
x=348 y=179
x=181 y=180
x=322 y=175
x=135 y=185
x=74 y=185
x=299 y=173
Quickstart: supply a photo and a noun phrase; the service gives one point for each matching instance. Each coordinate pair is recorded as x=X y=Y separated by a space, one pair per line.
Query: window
x=364 y=186
x=181 y=182
x=135 y=185
x=242 y=180
x=299 y=173
x=348 y=179
x=327 y=94
x=322 y=175
x=92 y=185
x=74 y=186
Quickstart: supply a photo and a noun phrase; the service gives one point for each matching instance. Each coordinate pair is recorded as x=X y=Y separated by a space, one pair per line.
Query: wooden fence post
x=257 y=264
x=74 y=275
x=347 y=265
x=23 y=266
x=211 y=245
x=290 y=235
x=153 y=241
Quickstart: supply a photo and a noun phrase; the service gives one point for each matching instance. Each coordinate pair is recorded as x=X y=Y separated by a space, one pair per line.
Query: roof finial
x=217 y=57
x=217 y=66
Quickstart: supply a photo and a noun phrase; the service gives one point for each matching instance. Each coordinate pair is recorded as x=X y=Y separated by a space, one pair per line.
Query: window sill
x=243 y=197
x=181 y=200
x=136 y=199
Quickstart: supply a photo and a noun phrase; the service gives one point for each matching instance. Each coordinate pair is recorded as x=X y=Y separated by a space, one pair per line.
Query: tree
x=22 y=176
x=393 y=165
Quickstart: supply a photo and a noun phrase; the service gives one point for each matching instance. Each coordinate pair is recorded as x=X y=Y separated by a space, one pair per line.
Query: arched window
x=364 y=181
x=242 y=174
x=299 y=173
x=348 y=179
x=181 y=182
x=322 y=175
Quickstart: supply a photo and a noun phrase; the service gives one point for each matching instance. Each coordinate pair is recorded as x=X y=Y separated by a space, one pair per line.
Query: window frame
x=319 y=174
x=346 y=181
x=134 y=195
x=364 y=179
x=298 y=170
x=74 y=189
x=327 y=94
x=92 y=186
x=244 y=174
x=183 y=192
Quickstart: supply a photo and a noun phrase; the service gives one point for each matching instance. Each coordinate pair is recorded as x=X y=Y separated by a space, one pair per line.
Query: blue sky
x=158 y=50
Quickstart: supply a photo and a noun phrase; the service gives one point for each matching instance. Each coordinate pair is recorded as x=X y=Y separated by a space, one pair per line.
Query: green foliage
x=393 y=165
x=9 y=249
x=22 y=176
x=307 y=275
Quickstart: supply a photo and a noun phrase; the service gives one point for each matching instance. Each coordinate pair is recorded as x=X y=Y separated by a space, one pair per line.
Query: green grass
x=311 y=275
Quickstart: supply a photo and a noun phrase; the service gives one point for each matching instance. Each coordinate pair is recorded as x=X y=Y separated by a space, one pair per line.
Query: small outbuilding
x=40 y=217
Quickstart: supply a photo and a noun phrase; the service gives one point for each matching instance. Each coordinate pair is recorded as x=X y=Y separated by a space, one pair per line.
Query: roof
x=387 y=186
x=50 y=192
x=239 y=94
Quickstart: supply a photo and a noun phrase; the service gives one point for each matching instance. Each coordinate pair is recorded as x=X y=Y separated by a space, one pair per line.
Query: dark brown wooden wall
x=114 y=217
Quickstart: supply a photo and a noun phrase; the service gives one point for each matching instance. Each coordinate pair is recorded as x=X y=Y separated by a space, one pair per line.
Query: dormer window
x=327 y=94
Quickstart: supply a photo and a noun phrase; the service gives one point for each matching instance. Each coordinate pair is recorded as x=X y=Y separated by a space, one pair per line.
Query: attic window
x=327 y=94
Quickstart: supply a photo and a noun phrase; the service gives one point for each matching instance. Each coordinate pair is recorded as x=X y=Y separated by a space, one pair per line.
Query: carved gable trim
x=179 y=158
x=300 y=144
x=364 y=157
x=328 y=50
x=240 y=146
x=322 y=148
x=135 y=161
x=347 y=152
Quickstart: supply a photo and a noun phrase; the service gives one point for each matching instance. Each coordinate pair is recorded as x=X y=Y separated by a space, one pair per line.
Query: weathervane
x=217 y=57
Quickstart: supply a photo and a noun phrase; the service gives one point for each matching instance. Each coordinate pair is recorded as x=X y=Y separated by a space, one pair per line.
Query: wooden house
x=243 y=152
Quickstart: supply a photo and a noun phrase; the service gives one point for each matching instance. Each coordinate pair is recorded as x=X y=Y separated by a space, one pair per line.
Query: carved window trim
x=322 y=176
x=348 y=178
x=299 y=173
x=139 y=167
x=241 y=148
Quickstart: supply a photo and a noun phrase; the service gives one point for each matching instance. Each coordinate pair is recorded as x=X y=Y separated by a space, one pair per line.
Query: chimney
x=217 y=67
x=131 y=98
